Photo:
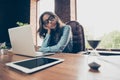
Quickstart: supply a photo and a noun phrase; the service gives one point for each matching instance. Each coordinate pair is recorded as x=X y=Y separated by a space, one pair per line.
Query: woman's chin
x=53 y=27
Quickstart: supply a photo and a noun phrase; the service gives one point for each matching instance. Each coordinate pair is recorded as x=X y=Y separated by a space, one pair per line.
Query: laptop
x=22 y=41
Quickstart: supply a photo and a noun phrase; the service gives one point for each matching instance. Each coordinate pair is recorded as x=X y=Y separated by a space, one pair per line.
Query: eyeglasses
x=51 y=18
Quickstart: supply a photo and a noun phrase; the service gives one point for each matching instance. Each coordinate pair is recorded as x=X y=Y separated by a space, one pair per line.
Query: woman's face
x=49 y=21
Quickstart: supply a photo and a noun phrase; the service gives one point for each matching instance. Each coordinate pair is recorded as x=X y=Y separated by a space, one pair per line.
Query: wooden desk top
x=74 y=67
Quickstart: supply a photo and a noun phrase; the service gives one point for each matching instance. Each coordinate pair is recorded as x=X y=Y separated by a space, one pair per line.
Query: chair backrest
x=78 y=36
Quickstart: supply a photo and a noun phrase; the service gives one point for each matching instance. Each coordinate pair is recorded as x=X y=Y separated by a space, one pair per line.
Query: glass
x=30 y=64
x=51 y=18
x=93 y=61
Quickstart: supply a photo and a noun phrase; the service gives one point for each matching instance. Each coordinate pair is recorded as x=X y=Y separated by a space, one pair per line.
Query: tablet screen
x=35 y=62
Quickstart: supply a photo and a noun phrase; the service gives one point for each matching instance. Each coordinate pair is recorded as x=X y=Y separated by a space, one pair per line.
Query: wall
x=10 y=13
x=62 y=9
x=33 y=19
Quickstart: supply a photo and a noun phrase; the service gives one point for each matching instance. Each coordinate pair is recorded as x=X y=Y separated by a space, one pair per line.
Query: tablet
x=34 y=64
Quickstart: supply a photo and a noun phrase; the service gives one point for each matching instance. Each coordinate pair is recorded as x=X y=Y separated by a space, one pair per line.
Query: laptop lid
x=21 y=40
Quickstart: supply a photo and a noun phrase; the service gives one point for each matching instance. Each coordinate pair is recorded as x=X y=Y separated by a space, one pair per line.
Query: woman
x=57 y=36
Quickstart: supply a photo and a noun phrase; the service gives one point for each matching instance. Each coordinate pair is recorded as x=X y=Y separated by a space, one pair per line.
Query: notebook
x=22 y=41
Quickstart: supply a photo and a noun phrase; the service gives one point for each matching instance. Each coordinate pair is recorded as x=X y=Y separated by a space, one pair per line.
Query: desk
x=73 y=68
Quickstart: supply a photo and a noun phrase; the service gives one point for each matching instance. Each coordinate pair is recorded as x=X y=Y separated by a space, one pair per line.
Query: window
x=101 y=18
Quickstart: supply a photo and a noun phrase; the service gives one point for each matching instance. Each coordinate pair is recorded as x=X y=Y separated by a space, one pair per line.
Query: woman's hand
x=48 y=29
x=36 y=47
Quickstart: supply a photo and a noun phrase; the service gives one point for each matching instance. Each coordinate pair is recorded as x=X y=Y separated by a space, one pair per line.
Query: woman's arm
x=46 y=40
x=61 y=44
